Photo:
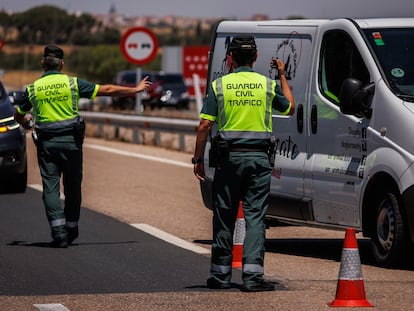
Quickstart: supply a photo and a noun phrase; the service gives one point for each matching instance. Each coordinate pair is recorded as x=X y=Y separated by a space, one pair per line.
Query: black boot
x=59 y=243
x=72 y=234
x=260 y=287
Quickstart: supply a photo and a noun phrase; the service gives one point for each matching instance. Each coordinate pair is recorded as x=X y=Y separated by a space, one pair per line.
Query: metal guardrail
x=112 y=123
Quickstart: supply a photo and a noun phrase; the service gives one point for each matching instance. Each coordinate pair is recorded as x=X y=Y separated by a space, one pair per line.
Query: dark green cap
x=53 y=51
x=243 y=43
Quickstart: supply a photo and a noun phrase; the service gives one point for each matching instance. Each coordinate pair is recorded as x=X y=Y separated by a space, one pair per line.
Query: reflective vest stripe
x=73 y=90
x=253 y=268
x=269 y=98
x=57 y=124
x=57 y=222
x=245 y=134
x=71 y=224
x=220 y=100
x=220 y=269
x=32 y=99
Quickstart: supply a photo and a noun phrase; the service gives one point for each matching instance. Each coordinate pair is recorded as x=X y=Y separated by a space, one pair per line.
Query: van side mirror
x=17 y=97
x=355 y=98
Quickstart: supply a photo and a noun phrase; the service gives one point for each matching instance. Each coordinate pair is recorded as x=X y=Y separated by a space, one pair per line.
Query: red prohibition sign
x=139 y=45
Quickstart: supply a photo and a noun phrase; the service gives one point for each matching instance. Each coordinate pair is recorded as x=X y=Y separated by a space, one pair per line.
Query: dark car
x=129 y=78
x=13 y=157
x=172 y=91
x=167 y=90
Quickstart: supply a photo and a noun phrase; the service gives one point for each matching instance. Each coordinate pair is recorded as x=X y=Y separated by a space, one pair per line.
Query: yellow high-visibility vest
x=244 y=102
x=54 y=98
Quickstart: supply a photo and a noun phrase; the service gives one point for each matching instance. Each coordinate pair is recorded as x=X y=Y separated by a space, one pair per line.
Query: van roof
x=247 y=26
x=385 y=22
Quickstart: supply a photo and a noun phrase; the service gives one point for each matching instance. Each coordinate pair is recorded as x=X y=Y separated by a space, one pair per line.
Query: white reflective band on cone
x=350 y=263
x=239 y=232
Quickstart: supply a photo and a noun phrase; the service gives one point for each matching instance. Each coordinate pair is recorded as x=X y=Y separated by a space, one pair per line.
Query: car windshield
x=171 y=79
x=394 y=48
x=129 y=77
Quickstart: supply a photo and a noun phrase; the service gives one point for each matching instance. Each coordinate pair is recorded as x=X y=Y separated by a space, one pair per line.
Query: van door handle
x=299 y=117
x=314 y=119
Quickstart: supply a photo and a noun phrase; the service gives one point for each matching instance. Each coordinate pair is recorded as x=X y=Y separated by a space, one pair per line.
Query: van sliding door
x=337 y=142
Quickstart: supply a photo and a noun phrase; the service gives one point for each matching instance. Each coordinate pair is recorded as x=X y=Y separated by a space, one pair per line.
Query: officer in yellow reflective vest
x=59 y=133
x=241 y=103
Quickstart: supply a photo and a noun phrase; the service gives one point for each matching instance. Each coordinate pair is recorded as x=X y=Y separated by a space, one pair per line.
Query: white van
x=345 y=158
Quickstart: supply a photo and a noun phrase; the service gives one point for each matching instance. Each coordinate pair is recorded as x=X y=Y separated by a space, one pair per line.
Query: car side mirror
x=17 y=97
x=355 y=98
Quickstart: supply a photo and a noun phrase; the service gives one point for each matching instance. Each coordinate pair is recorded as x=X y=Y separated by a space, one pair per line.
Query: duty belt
x=248 y=148
x=47 y=135
x=57 y=124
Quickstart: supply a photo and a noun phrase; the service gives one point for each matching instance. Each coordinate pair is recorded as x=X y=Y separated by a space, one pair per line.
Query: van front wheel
x=388 y=239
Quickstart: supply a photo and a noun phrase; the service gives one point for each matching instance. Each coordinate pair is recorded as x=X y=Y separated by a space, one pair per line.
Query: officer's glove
x=26 y=121
x=28 y=125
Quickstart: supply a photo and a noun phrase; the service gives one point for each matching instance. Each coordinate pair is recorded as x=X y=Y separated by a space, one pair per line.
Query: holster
x=80 y=129
x=272 y=151
x=219 y=151
x=35 y=137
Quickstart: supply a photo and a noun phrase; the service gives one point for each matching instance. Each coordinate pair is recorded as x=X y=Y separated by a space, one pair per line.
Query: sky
x=239 y=9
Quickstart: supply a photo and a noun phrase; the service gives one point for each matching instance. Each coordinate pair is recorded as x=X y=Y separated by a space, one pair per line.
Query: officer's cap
x=53 y=51
x=243 y=43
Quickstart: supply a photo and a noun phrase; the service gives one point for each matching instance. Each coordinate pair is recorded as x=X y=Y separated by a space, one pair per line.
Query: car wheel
x=388 y=241
x=17 y=183
x=185 y=105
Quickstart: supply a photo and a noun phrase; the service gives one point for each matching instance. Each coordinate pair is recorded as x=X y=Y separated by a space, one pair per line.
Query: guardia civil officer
x=241 y=103
x=53 y=98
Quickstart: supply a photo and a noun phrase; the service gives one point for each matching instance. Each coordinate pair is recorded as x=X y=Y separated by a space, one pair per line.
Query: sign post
x=139 y=46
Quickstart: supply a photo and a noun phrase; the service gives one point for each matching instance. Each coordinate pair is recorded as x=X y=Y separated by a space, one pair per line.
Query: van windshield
x=394 y=48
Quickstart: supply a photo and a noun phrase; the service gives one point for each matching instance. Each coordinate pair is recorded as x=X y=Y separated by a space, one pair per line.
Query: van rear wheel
x=388 y=240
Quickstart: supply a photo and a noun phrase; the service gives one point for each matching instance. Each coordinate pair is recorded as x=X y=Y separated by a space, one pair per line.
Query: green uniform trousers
x=245 y=176
x=61 y=156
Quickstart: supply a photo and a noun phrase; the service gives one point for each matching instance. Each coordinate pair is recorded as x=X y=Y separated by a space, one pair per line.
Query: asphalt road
x=117 y=267
x=109 y=257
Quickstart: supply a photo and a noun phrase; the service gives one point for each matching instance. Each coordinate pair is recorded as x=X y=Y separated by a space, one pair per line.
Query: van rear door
x=291 y=41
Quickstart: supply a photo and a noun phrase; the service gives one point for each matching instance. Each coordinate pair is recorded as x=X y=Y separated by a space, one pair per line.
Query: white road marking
x=51 y=307
x=36 y=187
x=138 y=155
x=172 y=239
x=158 y=233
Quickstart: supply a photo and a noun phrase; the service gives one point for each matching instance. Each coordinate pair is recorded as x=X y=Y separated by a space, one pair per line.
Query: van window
x=292 y=46
x=394 y=49
x=340 y=60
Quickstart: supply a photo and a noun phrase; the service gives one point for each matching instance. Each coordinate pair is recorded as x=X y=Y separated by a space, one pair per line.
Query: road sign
x=139 y=45
x=195 y=61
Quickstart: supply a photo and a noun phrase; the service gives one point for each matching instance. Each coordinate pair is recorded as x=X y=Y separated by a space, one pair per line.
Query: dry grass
x=18 y=79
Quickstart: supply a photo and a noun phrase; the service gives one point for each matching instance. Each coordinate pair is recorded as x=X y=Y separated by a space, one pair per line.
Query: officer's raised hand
x=120 y=90
x=144 y=85
x=279 y=65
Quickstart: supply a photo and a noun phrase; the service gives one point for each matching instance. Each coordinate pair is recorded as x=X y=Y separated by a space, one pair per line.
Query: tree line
x=47 y=23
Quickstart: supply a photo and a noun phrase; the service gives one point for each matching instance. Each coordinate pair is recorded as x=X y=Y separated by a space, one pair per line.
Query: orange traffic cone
x=350 y=291
x=238 y=237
